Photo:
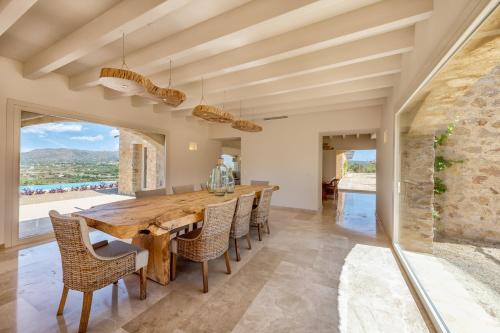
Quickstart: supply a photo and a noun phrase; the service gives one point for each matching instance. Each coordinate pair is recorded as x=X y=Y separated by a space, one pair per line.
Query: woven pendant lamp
x=245 y=125
x=169 y=96
x=211 y=113
x=122 y=79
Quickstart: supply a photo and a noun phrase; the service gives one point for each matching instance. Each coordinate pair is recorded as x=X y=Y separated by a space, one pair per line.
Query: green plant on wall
x=439 y=140
x=439 y=186
x=440 y=163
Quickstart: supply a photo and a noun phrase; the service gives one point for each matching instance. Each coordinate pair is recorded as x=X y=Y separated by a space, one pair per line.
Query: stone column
x=136 y=167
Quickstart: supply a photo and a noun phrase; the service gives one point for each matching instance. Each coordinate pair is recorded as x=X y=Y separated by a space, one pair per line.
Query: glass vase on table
x=218 y=178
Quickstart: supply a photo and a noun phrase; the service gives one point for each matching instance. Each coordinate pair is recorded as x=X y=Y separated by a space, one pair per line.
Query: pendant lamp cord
x=202 y=96
x=124 y=64
x=170 y=75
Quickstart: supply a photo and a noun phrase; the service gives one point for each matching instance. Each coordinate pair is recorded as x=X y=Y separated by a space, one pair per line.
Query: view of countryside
x=65 y=166
x=51 y=161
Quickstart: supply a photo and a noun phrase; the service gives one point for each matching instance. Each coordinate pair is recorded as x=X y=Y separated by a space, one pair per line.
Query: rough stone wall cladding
x=416 y=192
x=470 y=207
x=130 y=166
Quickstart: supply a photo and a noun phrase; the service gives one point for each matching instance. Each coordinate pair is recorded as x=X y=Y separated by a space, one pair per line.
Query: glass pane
x=449 y=177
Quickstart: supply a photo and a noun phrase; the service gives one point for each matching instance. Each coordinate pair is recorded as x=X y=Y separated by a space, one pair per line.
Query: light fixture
x=193 y=146
x=131 y=83
x=245 y=125
x=167 y=95
x=122 y=79
x=211 y=113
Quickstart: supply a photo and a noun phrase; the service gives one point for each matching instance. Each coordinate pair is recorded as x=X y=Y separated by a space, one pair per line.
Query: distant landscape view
x=68 y=156
x=62 y=165
x=362 y=161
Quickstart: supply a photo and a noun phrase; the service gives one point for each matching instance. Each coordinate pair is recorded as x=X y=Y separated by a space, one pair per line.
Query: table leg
x=159 y=256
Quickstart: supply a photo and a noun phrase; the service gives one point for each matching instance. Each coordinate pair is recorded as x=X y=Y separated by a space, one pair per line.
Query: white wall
x=288 y=152
x=52 y=91
x=329 y=164
x=433 y=39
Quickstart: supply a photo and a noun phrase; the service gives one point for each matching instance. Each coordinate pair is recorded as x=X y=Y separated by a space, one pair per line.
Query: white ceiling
x=275 y=56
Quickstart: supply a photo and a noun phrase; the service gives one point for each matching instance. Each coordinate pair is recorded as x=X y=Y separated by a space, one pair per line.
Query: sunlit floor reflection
x=354 y=212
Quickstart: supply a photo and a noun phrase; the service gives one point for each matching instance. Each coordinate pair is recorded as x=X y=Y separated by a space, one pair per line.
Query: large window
x=68 y=165
x=448 y=180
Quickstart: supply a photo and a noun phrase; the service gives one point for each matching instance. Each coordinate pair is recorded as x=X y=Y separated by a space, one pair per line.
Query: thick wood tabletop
x=158 y=214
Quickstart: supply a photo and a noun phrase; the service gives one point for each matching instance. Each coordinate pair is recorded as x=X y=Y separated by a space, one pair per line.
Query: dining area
x=150 y=233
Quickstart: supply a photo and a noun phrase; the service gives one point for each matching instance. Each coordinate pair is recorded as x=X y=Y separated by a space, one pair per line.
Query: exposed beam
x=126 y=16
x=357 y=135
x=362 y=23
x=392 y=43
x=373 y=103
x=373 y=136
x=378 y=94
x=329 y=90
x=197 y=38
x=11 y=11
x=353 y=72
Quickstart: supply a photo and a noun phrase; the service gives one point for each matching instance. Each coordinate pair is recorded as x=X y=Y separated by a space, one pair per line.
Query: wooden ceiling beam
x=363 y=23
x=11 y=11
x=358 y=71
x=125 y=17
x=385 y=45
x=199 y=37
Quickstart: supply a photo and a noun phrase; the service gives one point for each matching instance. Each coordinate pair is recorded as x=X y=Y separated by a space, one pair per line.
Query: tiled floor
x=326 y=272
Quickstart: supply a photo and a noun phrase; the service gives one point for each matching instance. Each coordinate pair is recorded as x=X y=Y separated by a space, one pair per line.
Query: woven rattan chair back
x=214 y=234
x=241 y=221
x=183 y=189
x=83 y=270
x=259 y=182
x=150 y=193
x=262 y=209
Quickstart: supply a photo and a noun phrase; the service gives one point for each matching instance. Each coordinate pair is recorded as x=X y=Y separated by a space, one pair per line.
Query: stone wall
x=131 y=166
x=470 y=208
x=416 y=192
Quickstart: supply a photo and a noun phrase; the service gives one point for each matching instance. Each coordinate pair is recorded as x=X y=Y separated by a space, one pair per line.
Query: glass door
x=447 y=184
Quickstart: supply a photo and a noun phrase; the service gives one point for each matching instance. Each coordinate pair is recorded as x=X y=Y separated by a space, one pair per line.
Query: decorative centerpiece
x=218 y=179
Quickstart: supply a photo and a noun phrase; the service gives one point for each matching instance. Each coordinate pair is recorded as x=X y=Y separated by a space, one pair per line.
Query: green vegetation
x=439 y=140
x=361 y=166
x=40 y=173
x=439 y=186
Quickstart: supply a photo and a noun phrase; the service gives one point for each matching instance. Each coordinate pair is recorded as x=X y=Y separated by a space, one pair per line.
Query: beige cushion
x=118 y=248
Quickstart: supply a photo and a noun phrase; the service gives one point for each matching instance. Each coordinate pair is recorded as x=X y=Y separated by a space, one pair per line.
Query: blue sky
x=74 y=135
x=364 y=155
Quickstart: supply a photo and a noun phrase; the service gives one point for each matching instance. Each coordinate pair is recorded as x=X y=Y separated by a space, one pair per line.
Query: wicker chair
x=259 y=182
x=150 y=193
x=241 y=221
x=183 y=189
x=88 y=267
x=260 y=214
x=209 y=242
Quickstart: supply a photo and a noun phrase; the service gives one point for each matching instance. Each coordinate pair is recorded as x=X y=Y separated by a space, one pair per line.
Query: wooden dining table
x=149 y=221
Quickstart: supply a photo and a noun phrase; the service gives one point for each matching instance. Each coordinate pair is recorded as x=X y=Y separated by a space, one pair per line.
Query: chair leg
x=260 y=232
x=143 y=282
x=84 y=319
x=173 y=269
x=267 y=226
x=248 y=241
x=204 y=267
x=63 y=301
x=237 y=249
x=228 y=265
